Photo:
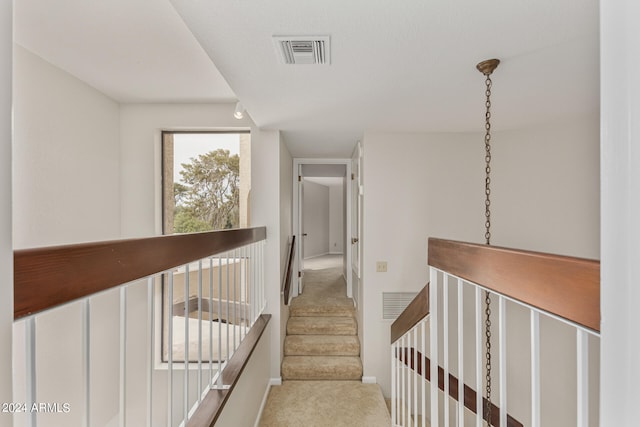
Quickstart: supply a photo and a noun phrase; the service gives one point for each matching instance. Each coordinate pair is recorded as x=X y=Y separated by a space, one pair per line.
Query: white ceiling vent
x=303 y=49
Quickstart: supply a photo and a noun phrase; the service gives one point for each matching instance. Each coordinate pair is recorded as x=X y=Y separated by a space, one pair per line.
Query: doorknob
x=354 y=240
x=304 y=235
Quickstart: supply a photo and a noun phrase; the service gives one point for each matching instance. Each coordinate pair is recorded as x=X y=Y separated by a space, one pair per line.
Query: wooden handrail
x=51 y=276
x=417 y=310
x=287 y=279
x=564 y=286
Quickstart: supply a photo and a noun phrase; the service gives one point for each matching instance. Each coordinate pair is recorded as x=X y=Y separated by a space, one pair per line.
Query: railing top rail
x=287 y=278
x=52 y=276
x=564 y=286
x=417 y=310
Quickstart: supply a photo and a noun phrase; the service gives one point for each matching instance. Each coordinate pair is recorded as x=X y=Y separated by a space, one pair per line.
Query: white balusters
x=535 y=368
x=582 y=354
x=479 y=356
x=460 y=404
x=433 y=347
x=123 y=358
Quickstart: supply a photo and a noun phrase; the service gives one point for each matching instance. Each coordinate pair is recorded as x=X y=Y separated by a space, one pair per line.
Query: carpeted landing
x=325 y=404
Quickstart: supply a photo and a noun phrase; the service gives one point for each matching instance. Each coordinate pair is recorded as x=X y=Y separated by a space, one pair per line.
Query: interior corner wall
x=315 y=210
x=286 y=228
x=6 y=249
x=620 y=269
x=265 y=211
x=545 y=197
x=65 y=157
x=336 y=218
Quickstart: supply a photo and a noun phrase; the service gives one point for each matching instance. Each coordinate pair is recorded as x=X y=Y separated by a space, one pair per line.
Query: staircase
x=322 y=333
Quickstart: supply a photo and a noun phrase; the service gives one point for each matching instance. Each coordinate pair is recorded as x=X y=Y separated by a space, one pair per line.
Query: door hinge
x=299 y=178
x=353 y=176
x=299 y=273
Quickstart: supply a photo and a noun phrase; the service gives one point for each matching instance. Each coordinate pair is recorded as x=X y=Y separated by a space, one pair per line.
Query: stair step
x=321 y=368
x=322 y=326
x=325 y=307
x=321 y=345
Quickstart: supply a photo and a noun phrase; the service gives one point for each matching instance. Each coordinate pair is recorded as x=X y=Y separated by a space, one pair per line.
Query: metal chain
x=487 y=235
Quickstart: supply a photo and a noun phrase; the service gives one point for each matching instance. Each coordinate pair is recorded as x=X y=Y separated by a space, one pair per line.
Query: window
x=206 y=180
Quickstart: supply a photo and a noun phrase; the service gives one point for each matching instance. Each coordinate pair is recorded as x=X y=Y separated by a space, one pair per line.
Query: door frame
x=297 y=212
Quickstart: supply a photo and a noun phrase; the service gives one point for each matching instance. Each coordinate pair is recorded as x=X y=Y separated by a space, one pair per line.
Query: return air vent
x=394 y=303
x=303 y=49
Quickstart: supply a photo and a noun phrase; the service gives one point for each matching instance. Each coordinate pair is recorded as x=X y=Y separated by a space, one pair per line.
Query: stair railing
x=286 y=289
x=208 y=288
x=432 y=336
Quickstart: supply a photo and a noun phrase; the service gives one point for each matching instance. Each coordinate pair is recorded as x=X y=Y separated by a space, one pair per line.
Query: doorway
x=322 y=208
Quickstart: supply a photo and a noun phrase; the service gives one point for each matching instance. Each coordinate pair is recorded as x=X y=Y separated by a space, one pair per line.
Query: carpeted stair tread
x=322 y=326
x=321 y=345
x=322 y=306
x=321 y=368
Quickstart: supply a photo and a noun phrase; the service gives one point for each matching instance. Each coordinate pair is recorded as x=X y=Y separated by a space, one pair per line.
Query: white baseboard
x=336 y=253
x=275 y=381
x=369 y=380
x=272 y=382
x=317 y=256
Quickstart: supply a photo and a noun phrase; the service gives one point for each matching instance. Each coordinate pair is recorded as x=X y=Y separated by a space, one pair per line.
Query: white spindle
x=219 y=323
x=30 y=350
x=445 y=346
x=502 y=338
x=228 y=318
x=582 y=352
x=210 y=322
x=199 y=380
x=414 y=374
x=235 y=299
x=185 y=377
x=403 y=401
x=423 y=380
x=123 y=357
x=433 y=348
x=460 y=404
x=150 y=348
x=86 y=359
x=479 y=358
x=535 y=368
x=394 y=391
x=170 y=351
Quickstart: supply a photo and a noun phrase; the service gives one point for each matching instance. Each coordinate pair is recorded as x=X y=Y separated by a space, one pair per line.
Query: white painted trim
x=275 y=381
x=264 y=402
x=317 y=256
x=297 y=162
x=369 y=380
x=336 y=253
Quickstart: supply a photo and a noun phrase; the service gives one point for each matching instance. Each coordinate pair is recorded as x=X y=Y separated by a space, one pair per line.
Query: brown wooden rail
x=287 y=279
x=51 y=276
x=565 y=286
x=417 y=310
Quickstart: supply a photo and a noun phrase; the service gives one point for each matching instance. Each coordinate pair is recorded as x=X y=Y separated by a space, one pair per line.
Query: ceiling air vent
x=303 y=49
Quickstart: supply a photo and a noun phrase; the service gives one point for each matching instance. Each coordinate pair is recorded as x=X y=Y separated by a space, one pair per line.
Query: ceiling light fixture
x=239 y=112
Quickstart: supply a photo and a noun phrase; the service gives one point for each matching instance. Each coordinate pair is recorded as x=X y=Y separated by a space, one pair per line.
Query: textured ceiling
x=405 y=66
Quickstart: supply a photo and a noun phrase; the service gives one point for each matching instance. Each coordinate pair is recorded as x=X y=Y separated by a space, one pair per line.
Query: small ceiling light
x=239 y=112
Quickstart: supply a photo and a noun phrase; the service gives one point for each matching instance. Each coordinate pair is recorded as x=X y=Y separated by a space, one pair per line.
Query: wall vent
x=394 y=303
x=303 y=49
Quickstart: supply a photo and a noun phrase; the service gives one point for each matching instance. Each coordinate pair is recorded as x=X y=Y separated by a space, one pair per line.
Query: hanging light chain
x=487 y=159
x=486 y=68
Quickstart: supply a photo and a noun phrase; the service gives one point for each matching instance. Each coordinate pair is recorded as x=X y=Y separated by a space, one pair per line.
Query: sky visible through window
x=190 y=145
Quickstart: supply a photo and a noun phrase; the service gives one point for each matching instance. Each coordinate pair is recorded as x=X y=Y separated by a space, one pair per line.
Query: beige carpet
x=325 y=403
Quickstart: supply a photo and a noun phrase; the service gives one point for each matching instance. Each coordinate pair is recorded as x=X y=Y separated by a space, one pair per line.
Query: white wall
x=265 y=210
x=336 y=218
x=421 y=185
x=286 y=229
x=315 y=209
x=66 y=157
x=620 y=97
x=6 y=250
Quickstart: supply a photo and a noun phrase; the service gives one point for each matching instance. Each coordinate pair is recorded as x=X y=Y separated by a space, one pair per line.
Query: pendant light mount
x=487 y=67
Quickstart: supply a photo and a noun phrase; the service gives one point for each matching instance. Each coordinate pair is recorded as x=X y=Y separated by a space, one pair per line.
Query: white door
x=300 y=232
x=356 y=207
